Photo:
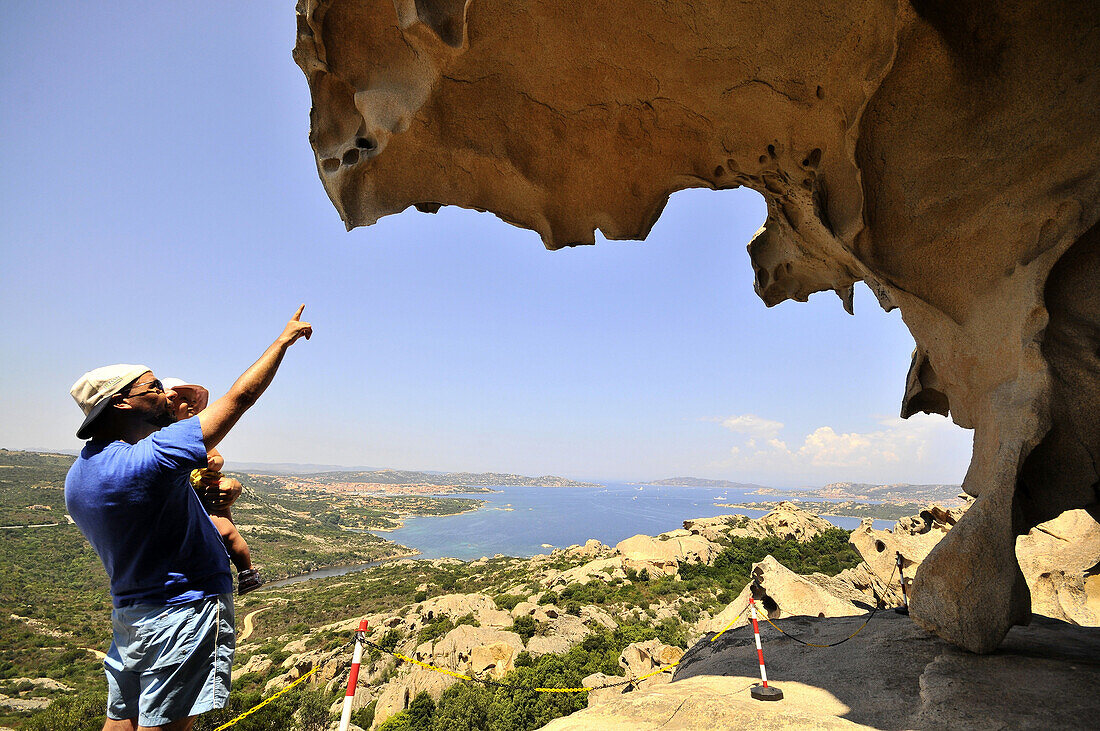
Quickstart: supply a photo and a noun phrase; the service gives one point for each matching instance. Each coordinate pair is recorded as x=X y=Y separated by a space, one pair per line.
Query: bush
x=525 y=626
x=83 y=712
x=508 y=602
x=364 y=717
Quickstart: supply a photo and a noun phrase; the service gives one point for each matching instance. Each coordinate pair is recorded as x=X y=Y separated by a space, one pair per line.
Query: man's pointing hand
x=296 y=328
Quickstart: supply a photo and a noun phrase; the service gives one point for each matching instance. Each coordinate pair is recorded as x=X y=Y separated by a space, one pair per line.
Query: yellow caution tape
x=712 y=639
x=263 y=703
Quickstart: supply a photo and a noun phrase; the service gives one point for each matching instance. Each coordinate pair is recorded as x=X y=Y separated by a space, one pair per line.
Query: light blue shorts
x=170 y=662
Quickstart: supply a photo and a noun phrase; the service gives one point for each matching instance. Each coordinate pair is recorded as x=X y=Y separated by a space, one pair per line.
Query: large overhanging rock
x=945 y=152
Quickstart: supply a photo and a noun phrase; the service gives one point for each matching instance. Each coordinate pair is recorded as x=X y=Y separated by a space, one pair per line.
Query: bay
x=517 y=521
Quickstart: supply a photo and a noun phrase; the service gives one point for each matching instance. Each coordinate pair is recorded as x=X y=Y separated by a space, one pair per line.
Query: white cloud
x=923 y=448
x=753 y=425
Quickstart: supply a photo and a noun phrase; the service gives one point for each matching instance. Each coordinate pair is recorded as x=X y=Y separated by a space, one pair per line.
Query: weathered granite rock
x=603 y=569
x=593 y=615
x=705 y=703
x=1061 y=563
x=642 y=658
x=591 y=549
x=399 y=692
x=945 y=153
x=667 y=549
x=786 y=522
x=913 y=537
x=464 y=647
x=787 y=594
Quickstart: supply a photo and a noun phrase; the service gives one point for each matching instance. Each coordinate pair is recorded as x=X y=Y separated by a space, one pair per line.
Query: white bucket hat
x=195 y=394
x=93 y=390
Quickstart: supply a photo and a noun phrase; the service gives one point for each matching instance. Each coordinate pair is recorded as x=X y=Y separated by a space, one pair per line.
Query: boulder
x=256 y=664
x=398 y=693
x=548 y=645
x=667 y=549
x=786 y=522
x=524 y=608
x=455 y=605
x=590 y=550
x=945 y=154
x=602 y=569
x=1061 y=563
x=642 y=658
x=458 y=648
x=913 y=537
x=591 y=614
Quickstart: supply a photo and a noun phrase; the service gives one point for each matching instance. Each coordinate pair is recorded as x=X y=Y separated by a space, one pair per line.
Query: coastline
x=338 y=570
x=401 y=520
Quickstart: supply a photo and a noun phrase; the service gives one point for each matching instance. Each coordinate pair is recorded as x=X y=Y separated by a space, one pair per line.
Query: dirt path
x=248 y=626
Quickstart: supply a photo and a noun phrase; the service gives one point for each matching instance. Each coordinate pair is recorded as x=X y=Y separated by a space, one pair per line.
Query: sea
x=524 y=521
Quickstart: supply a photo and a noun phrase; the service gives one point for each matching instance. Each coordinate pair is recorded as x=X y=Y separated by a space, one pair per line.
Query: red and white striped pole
x=353 y=677
x=761 y=692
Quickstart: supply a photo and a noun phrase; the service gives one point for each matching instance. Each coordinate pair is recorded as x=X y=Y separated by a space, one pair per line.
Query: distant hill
x=700 y=482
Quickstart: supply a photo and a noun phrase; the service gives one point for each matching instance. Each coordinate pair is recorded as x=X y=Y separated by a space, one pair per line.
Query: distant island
x=701 y=482
x=895 y=493
x=899 y=492
x=449 y=479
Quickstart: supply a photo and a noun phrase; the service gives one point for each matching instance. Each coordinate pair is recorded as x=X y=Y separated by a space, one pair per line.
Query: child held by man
x=190 y=399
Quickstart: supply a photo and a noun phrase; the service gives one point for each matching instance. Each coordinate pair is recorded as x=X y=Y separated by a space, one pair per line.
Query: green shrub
x=508 y=602
x=83 y=712
x=525 y=626
x=364 y=717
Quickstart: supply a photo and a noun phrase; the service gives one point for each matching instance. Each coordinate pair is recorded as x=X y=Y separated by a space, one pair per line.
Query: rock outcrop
x=947 y=154
x=786 y=594
x=913 y=537
x=668 y=550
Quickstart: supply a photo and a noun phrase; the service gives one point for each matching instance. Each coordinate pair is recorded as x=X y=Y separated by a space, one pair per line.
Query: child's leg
x=234 y=542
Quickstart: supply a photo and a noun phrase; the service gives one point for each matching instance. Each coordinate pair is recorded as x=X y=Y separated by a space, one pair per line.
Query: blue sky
x=159 y=204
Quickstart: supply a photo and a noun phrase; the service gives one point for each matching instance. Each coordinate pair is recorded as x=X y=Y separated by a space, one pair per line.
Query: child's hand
x=224 y=493
x=214 y=461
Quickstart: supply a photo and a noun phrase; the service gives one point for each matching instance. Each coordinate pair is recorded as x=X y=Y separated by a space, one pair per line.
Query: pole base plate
x=771 y=693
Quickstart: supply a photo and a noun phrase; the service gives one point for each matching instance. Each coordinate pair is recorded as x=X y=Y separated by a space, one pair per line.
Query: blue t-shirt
x=135 y=505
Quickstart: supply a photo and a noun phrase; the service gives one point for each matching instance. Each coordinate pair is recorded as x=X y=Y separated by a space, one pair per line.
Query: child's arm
x=234 y=542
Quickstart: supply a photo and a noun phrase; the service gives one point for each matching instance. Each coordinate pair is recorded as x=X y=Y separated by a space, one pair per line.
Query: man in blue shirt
x=171 y=585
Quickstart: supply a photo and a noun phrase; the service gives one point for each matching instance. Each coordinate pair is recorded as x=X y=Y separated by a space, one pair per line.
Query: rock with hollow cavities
x=947 y=154
x=787 y=594
x=913 y=537
x=1061 y=563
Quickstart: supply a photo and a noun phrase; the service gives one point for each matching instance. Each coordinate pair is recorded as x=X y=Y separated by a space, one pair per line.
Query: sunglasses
x=156 y=387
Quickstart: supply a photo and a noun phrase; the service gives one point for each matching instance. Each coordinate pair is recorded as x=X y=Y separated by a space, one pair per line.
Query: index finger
x=298 y=314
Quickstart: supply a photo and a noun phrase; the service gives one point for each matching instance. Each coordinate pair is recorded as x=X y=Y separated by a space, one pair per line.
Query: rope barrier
x=264 y=702
x=724 y=629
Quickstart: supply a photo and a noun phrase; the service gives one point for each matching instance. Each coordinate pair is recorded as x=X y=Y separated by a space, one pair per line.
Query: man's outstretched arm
x=220 y=416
